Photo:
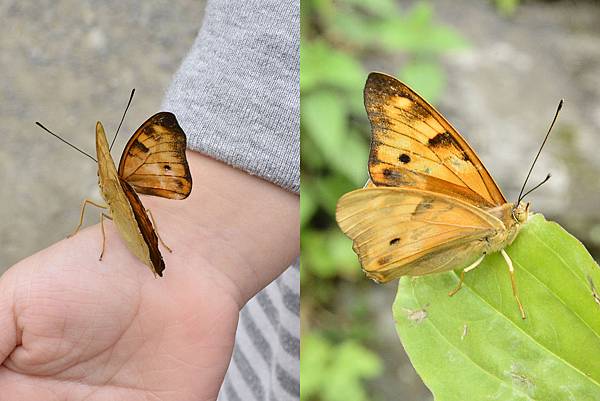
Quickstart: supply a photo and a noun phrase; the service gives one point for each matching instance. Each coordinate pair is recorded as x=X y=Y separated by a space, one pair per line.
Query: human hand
x=77 y=328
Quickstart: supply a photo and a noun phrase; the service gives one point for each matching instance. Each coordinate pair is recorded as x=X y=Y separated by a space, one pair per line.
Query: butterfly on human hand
x=153 y=163
x=430 y=205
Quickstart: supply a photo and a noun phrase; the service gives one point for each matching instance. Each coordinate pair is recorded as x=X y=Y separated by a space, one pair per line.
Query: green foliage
x=507 y=7
x=334 y=372
x=337 y=38
x=475 y=345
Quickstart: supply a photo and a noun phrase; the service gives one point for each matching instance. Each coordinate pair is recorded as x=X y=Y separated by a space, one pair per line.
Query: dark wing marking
x=154 y=161
x=145 y=226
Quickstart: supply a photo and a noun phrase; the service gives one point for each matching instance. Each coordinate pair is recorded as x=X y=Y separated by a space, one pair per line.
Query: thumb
x=8 y=326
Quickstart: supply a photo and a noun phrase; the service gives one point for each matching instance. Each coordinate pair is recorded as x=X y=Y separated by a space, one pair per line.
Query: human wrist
x=243 y=226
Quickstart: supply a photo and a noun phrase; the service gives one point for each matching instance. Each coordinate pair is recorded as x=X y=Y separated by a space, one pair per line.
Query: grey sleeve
x=237 y=97
x=237 y=93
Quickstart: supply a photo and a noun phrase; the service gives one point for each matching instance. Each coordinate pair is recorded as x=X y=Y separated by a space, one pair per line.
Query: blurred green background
x=496 y=70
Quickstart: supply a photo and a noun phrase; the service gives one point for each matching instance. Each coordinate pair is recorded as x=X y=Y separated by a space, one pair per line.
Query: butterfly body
x=430 y=205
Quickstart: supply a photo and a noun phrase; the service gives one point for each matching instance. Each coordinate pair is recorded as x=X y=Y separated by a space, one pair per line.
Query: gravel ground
x=69 y=63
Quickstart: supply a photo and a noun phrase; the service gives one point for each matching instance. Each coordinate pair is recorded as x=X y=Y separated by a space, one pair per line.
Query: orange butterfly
x=430 y=205
x=153 y=163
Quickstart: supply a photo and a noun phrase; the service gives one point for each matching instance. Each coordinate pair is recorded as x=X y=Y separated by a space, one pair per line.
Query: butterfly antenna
x=122 y=118
x=59 y=138
x=537 y=186
x=560 y=104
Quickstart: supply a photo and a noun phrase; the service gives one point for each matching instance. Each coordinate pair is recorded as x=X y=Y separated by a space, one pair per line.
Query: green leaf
x=328 y=253
x=330 y=189
x=323 y=65
x=354 y=157
x=308 y=205
x=351 y=363
x=475 y=346
x=418 y=33
x=315 y=355
x=311 y=159
x=335 y=372
x=325 y=121
x=351 y=28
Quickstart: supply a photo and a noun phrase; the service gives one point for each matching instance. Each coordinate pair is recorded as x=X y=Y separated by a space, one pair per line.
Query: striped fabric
x=266 y=359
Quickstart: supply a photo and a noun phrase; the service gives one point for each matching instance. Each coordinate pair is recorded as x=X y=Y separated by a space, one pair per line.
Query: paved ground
x=69 y=63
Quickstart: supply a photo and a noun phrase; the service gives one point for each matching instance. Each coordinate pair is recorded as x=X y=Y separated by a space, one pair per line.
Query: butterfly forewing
x=154 y=161
x=414 y=146
x=398 y=231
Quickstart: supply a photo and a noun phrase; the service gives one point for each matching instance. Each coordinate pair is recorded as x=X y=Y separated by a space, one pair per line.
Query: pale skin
x=76 y=328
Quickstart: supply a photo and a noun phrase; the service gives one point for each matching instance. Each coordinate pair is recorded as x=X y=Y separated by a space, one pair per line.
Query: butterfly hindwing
x=154 y=161
x=402 y=231
x=414 y=146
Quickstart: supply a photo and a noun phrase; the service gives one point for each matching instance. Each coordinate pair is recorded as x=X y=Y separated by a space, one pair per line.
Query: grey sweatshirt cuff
x=236 y=94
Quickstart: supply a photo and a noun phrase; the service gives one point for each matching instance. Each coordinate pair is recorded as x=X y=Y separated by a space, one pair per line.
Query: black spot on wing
x=404 y=158
x=394 y=241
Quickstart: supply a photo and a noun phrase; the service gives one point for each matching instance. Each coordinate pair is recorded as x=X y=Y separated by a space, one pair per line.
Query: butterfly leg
x=156 y=230
x=462 y=274
x=102 y=216
x=83 y=205
x=512 y=281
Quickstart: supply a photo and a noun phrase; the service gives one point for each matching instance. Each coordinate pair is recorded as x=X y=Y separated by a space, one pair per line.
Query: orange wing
x=154 y=161
x=145 y=226
x=407 y=231
x=414 y=146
